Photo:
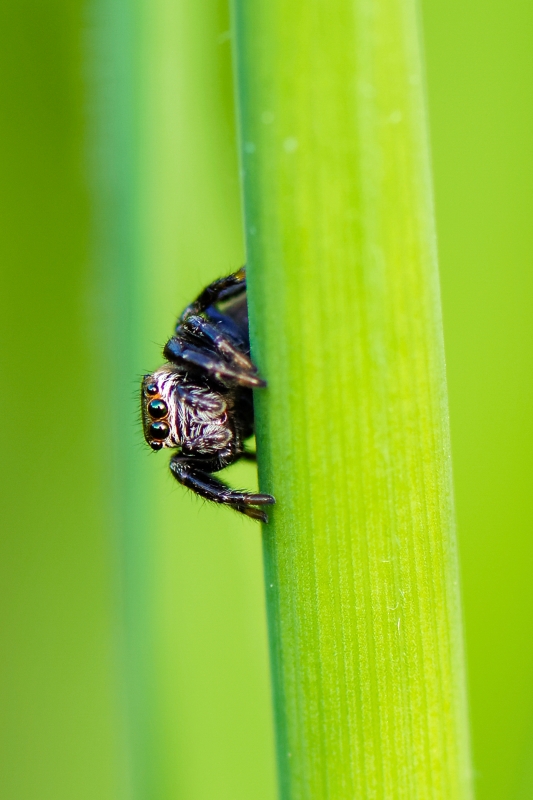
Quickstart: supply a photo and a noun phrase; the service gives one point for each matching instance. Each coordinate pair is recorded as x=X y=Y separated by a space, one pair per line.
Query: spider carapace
x=200 y=401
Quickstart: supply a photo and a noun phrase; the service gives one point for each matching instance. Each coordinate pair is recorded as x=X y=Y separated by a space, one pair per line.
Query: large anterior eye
x=159 y=430
x=157 y=409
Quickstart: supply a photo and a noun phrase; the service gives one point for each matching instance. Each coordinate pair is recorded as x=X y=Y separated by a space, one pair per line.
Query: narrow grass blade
x=194 y=642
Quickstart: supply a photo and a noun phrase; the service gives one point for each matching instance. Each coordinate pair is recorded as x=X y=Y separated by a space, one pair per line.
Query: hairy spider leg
x=221 y=342
x=179 y=351
x=220 y=289
x=247 y=455
x=210 y=488
x=226 y=322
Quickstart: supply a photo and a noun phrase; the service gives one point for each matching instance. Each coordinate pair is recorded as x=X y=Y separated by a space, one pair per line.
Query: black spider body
x=200 y=401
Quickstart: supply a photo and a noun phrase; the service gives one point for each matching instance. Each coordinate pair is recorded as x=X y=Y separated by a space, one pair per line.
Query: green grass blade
x=60 y=720
x=361 y=573
x=194 y=641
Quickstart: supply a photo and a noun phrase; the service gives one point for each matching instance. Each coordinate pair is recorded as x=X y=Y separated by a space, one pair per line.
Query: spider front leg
x=218 y=290
x=201 y=328
x=202 y=483
x=181 y=352
x=248 y=455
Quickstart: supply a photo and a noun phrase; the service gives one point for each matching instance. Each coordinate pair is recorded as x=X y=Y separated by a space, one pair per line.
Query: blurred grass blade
x=361 y=573
x=195 y=643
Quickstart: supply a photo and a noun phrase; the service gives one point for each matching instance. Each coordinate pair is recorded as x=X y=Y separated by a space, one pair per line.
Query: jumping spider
x=200 y=402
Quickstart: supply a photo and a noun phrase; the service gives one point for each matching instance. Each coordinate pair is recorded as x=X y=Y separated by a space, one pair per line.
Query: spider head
x=158 y=409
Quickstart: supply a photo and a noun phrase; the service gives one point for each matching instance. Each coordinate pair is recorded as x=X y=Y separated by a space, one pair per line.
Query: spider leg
x=179 y=351
x=210 y=488
x=222 y=343
x=218 y=290
x=247 y=455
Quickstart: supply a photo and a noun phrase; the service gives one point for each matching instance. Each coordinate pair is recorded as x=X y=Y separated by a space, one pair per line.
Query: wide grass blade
x=361 y=573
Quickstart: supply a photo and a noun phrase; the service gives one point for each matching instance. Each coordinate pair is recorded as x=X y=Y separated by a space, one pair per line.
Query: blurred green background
x=133 y=652
x=479 y=59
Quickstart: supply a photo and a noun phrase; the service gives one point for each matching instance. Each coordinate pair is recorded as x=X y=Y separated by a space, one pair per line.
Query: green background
x=480 y=81
x=118 y=200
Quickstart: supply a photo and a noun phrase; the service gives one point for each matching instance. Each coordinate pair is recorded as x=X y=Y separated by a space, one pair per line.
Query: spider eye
x=157 y=409
x=159 y=430
x=151 y=388
x=156 y=445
